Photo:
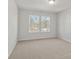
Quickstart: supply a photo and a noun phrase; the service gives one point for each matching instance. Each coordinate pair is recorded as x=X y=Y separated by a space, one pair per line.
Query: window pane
x=45 y=23
x=34 y=23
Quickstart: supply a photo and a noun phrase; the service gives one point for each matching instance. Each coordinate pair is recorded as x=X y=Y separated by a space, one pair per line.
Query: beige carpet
x=42 y=49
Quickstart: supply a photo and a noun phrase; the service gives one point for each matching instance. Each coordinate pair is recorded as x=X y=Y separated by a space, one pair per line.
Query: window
x=39 y=24
x=45 y=23
x=34 y=24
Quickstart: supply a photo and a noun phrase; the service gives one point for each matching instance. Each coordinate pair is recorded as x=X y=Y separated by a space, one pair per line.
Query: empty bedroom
x=39 y=29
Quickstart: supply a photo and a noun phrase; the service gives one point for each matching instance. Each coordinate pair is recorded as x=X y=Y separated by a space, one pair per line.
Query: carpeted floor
x=42 y=49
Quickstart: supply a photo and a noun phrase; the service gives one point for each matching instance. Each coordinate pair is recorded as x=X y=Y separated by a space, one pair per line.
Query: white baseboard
x=12 y=50
x=67 y=40
x=39 y=38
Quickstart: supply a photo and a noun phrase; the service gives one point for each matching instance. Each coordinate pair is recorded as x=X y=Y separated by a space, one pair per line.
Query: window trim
x=29 y=24
x=48 y=25
x=40 y=23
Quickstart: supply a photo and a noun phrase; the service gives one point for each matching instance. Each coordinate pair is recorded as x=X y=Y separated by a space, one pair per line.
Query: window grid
x=41 y=27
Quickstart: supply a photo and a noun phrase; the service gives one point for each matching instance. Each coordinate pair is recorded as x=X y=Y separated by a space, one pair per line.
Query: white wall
x=23 y=27
x=64 y=24
x=12 y=26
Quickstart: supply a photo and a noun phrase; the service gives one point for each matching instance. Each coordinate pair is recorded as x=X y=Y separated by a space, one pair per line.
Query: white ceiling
x=43 y=5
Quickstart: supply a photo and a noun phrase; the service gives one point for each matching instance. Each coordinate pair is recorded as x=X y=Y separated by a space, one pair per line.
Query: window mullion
x=40 y=23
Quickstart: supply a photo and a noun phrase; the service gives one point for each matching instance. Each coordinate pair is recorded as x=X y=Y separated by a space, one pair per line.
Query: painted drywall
x=12 y=26
x=23 y=22
x=44 y=5
x=64 y=24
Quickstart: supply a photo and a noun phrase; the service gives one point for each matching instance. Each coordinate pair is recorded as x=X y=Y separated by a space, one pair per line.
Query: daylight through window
x=39 y=24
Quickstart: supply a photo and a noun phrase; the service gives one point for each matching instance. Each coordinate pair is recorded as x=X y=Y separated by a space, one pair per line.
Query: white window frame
x=29 y=23
x=48 y=24
x=40 y=24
